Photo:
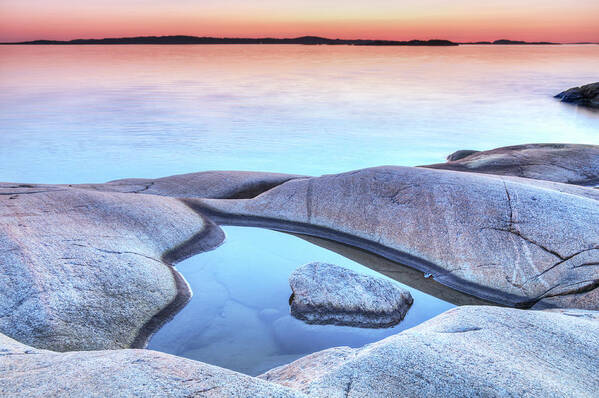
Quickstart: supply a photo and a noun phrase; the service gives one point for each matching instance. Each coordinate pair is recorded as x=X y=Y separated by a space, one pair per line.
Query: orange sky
x=459 y=20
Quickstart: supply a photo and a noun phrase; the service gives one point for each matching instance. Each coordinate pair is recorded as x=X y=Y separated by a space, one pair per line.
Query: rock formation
x=206 y=184
x=462 y=153
x=475 y=351
x=467 y=351
x=329 y=294
x=27 y=372
x=513 y=241
x=85 y=270
x=89 y=267
x=567 y=163
x=587 y=95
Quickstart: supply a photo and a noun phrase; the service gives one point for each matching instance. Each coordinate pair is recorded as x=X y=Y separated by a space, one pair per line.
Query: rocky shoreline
x=467 y=351
x=570 y=164
x=464 y=352
x=88 y=268
x=487 y=222
x=587 y=95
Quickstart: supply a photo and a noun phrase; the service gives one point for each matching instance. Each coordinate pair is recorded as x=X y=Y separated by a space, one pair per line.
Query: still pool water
x=239 y=316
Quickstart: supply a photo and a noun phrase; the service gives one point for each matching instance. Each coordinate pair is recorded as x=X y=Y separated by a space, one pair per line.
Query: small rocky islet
x=587 y=95
x=87 y=273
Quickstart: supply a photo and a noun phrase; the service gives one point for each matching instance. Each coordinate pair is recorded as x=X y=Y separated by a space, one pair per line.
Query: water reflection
x=398 y=272
x=239 y=315
x=85 y=114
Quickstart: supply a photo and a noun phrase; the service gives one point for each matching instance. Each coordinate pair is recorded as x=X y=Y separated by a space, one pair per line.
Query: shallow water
x=239 y=316
x=94 y=113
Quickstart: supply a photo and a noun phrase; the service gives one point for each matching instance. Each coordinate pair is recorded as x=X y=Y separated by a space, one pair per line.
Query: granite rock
x=567 y=163
x=86 y=270
x=461 y=154
x=329 y=294
x=207 y=184
x=513 y=241
x=472 y=351
x=587 y=95
x=28 y=372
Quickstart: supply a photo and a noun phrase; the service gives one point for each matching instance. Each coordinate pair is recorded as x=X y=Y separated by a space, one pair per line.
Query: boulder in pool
x=88 y=270
x=472 y=351
x=328 y=294
x=28 y=372
x=568 y=163
x=587 y=95
x=514 y=241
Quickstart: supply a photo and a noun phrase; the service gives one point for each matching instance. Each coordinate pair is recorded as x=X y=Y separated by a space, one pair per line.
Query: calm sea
x=96 y=113
x=72 y=114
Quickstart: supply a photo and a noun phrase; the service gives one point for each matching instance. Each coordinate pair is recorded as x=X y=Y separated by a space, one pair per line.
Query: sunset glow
x=465 y=20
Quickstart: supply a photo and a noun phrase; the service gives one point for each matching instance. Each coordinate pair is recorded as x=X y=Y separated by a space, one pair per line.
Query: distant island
x=307 y=40
x=513 y=42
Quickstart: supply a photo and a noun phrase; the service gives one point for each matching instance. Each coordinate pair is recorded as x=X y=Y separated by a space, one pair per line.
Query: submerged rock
x=514 y=241
x=471 y=351
x=567 y=163
x=85 y=270
x=587 y=95
x=207 y=184
x=28 y=372
x=329 y=294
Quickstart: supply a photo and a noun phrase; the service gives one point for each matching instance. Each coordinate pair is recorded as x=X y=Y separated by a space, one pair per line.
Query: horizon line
x=257 y=38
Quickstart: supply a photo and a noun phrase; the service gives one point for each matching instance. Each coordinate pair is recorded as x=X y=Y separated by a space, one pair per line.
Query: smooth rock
x=514 y=241
x=207 y=184
x=28 y=372
x=85 y=270
x=328 y=294
x=474 y=351
x=587 y=95
x=567 y=163
x=461 y=154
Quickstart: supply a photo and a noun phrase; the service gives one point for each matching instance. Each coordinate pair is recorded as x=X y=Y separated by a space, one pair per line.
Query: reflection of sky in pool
x=239 y=317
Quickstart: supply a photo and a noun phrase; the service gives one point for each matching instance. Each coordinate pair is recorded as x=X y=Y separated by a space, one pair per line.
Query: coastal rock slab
x=28 y=372
x=207 y=184
x=587 y=95
x=461 y=154
x=567 y=163
x=514 y=241
x=85 y=270
x=329 y=294
x=474 y=351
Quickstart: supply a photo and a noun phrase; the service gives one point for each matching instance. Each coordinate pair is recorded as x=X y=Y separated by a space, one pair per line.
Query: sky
x=458 y=20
